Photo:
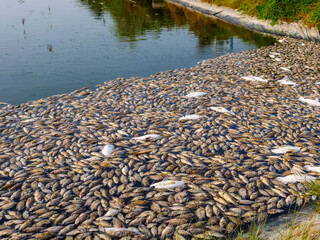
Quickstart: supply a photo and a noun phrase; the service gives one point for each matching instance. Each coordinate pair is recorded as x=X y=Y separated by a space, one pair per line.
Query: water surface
x=50 y=47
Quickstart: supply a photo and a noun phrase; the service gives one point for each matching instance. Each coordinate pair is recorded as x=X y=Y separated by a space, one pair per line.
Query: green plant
x=307 y=11
x=254 y=232
x=314 y=190
x=307 y=230
x=315 y=17
x=288 y=10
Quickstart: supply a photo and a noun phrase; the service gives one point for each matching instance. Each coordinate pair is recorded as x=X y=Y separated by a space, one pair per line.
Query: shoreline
x=295 y=30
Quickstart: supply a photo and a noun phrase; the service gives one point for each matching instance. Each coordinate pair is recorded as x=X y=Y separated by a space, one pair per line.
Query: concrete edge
x=295 y=30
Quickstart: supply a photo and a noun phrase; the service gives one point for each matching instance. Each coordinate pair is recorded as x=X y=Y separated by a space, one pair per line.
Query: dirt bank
x=295 y=30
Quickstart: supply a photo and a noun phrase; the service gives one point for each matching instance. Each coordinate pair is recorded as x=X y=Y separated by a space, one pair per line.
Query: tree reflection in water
x=133 y=19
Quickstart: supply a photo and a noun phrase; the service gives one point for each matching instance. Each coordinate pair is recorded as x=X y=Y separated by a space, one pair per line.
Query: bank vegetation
x=305 y=11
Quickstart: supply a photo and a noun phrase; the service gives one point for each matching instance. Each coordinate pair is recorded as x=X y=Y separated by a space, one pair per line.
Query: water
x=50 y=47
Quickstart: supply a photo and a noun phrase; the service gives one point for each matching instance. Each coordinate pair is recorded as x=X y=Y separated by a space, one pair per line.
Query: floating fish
x=286 y=149
x=222 y=110
x=168 y=184
x=107 y=150
x=111 y=212
x=285 y=69
x=93 y=158
x=312 y=168
x=29 y=120
x=147 y=137
x=286 y=81
x=252 y=78
x=122 y=132
x=310 y=101
x=191 y=117
x=272 y=56
x=295 y=178
x=275 y=53
x=297 y=170
x=281 y=40
x=278 y=59
x=199 y=130
x=120 y=232
x=196 y=94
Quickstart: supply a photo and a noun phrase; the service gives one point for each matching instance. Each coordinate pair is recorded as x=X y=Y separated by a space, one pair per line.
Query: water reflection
x=158 y=4
x=133 y=19
x=52 y=47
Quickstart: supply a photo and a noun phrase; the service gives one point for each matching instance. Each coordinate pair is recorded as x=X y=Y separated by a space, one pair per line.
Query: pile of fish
x=183 y=154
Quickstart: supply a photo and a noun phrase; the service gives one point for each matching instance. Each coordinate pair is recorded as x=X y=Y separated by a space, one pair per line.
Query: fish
x=286 y=81
x=147 y=137
x=120 y=232
x=191 y=117
x=285 y=69
x=195 y=94
x=107 y=150
x=222 y=110
x=286 y=149
x=254 y=79
x=310 y=101
x=312 y=168
x=295 y=178
x=168 y=184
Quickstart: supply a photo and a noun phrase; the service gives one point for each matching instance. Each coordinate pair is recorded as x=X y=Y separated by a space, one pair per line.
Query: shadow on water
x=133 y=19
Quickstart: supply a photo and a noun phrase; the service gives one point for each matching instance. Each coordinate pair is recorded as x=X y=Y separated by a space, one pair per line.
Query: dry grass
x=306 y=230
x=301 y=226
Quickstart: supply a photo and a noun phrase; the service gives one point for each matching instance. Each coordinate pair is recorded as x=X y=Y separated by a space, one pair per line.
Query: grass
x=296 y=229
x=314 y=190
x=306 y=230
x=254 y=232
x=307 y=11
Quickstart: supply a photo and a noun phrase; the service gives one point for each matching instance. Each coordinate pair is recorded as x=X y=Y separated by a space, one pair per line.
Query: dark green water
x=50 y=47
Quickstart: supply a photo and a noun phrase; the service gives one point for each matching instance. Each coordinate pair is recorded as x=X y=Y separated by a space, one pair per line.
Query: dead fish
x=107 y=150
x=168 y=184
x=195 y=94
